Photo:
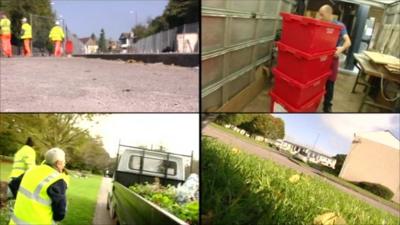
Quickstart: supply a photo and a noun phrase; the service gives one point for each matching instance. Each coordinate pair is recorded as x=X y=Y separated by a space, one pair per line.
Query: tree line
x=176 y=13
x=83 y=152
x=42 y=16
x=264 y=125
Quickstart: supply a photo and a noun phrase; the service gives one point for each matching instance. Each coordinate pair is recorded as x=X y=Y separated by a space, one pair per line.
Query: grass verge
x=242 y=189
x=324 y=174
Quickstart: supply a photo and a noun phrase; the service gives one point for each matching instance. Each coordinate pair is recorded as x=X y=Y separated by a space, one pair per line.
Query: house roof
x=125 y=35
x=384 y=137
x=88 y=41
x=309 y=148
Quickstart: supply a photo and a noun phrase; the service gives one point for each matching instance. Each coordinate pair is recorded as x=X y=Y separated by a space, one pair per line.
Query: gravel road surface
x=43 y=84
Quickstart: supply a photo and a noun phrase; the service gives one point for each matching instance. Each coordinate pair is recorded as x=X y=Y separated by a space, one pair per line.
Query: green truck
x=140 y=165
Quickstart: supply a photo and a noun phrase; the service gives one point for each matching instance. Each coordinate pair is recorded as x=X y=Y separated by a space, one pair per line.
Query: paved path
x=42 y=84
x=266 y=154
x=101 y=215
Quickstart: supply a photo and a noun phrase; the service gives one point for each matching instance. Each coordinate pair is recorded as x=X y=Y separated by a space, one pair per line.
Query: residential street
x=270 y=155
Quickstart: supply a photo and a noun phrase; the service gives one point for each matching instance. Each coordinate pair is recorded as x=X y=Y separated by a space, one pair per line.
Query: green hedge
x=377 y=189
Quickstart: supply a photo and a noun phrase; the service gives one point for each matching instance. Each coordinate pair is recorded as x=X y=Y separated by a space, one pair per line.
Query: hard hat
x=53 y=155
x=57 y=22
x=24 y=20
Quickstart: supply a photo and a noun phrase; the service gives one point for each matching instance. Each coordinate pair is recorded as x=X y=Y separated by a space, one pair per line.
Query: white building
x=305 y=154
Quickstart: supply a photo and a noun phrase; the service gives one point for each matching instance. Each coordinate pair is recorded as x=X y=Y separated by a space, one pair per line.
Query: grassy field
x=325 y=174
x=82 y=198
x=238 y=188
x=355 y=188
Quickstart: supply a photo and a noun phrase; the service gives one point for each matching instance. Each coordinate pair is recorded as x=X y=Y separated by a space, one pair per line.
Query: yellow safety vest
x=27 y=29
x=24 y=159
x=33 y=204
x=5 y=25
x=56 y=34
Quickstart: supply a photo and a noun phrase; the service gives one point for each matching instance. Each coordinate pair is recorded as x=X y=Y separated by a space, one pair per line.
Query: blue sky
x=335 y=131
x=89 y=16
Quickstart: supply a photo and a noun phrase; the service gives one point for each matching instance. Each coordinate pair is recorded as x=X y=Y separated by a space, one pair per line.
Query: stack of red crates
x=305 y=54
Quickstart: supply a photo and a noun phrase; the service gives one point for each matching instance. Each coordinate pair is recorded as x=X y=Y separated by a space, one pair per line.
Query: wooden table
x=368 y=68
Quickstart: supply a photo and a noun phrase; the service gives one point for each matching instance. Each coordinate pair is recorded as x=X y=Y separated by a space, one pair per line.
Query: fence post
x=31 y=20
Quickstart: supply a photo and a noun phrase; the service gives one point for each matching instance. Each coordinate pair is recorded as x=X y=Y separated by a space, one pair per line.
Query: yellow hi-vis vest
x=5 y=26
x=56 y=34
x=27 y=29
x=23 y=160
x=33 y=204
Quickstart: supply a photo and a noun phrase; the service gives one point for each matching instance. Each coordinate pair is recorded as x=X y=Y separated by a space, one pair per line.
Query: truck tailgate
x=134 y=209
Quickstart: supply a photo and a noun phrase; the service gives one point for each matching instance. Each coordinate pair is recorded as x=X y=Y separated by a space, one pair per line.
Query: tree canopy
x=42 y=20
x=54 y=130
x=257 y=124
x=102 y=41
x=176 y=13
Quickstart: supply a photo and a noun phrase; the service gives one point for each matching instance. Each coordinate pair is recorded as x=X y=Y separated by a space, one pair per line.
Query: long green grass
x=81 y=197
x=339 y=180
x=238 y=188
x=5 y=170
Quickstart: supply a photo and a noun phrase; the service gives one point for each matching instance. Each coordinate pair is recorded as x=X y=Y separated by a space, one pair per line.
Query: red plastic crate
x=310 y=106
x=308 y=34
x=296 y=93
x=302 y=66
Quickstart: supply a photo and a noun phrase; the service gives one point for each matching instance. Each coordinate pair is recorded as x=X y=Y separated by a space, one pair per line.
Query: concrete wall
x=237 y=37
x=373 y=162
x=180 y=59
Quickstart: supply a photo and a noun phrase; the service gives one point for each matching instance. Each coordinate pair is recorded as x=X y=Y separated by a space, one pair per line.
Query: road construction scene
x=99 y=56
x=300 y=169
x=300 y=56
x=99 y=169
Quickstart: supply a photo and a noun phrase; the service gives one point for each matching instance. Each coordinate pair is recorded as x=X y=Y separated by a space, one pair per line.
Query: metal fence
x=41 y=44
x=183 y=39
x=79 y=47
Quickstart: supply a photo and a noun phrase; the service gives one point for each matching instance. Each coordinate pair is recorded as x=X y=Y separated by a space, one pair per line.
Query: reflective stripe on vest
x=24 y=159
x=18 y=221
x=5 y=26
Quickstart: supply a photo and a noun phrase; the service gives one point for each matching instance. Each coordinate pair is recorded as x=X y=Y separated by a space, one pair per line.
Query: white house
x=90 y=45
x=305 y=154
x=374 y=157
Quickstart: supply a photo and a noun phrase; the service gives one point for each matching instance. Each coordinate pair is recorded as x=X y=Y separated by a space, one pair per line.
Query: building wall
x=373 y=162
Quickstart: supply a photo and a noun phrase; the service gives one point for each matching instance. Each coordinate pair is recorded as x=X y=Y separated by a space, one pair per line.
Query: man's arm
x=346 y=45
x=14 y=185
x=56 y=193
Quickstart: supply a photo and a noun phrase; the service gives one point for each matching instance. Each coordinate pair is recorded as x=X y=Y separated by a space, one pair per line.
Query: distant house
x=126 y=41
x=111 y=45
x=374 y=157
x=90 y=45
x=306 y=154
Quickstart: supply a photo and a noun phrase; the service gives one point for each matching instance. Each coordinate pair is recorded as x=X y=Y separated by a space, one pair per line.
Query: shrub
x=377 y=189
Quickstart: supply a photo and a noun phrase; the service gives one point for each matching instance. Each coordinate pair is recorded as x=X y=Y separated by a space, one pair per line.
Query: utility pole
x=31 y=20
x=315 y=141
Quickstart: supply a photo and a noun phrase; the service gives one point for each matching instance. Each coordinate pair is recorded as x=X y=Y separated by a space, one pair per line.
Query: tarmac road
x=44 y=84
x=101 y=215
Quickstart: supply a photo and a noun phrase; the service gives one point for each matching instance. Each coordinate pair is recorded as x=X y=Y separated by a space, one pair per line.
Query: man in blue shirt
x=325 y=13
